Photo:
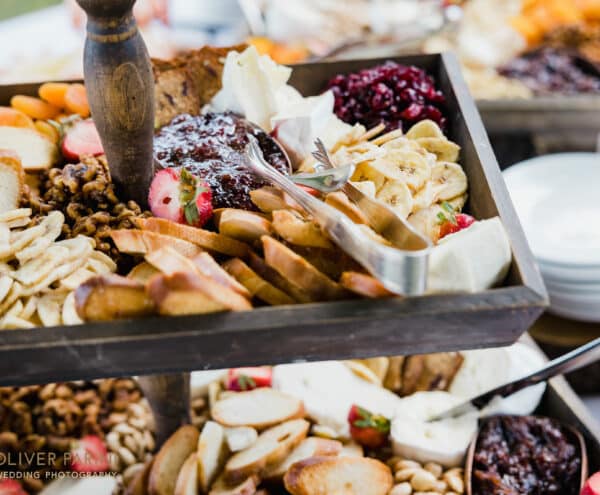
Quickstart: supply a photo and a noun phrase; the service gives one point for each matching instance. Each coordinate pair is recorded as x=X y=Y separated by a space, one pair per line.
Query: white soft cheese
x=471 y=260
x=251 y=83
x=445 y=442
x=485 y=369
x=200 y=380
x=329 y=389
x=94 y=485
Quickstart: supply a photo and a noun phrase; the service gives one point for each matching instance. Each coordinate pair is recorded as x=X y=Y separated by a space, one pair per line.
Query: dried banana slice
x=449 y=180
x=367 y=187
x=49 y=310
x=29 y=308
x=397 y=195
x=424 y=197
x=445 y=150
x=425 y=129
x=365 y=172
x=69 y=313
x=36 y=269
x=6 y=283
x=17 y=214
x=15 y=323
x=413 y=168
x=459 y=202
x=427 y=222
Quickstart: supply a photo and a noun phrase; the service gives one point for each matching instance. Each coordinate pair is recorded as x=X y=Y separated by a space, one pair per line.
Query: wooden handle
x=120 y=87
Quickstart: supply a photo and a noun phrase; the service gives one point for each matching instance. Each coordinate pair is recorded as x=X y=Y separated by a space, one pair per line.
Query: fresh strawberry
x=240 y=379
x=89 y=455
x=309 y=190
x=592 y=485
x=11 y=487
x=452 y=222
x=80 y=138
x=163 y=197
x=368 y=429
x=179 y=196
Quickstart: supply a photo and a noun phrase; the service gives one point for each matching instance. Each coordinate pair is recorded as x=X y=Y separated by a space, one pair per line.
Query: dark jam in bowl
x=212 y=146
x=525 y=455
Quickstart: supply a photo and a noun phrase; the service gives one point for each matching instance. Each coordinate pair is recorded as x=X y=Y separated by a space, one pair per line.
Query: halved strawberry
x=81 y=138
x=592 y=486
x=453 y=222
x=241 y=379
x=11 y=487
x=89 y=455
x=179 y=196
x=368 y=429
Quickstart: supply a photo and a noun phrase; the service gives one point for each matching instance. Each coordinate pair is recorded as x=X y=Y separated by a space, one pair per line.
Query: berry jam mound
x=526 y=455
x=397 y=95
x=212 y=146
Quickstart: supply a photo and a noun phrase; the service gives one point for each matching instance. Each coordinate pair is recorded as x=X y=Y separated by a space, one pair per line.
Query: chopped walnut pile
x=84 y=192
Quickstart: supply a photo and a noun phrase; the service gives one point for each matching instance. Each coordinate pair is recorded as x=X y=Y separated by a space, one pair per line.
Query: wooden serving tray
x=333 y=330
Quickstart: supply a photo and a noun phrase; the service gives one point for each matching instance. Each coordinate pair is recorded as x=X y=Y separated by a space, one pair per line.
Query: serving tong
x=402 y=269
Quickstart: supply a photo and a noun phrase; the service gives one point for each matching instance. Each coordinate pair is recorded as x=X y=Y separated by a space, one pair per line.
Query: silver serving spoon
x=578 y=358
x=326 y=180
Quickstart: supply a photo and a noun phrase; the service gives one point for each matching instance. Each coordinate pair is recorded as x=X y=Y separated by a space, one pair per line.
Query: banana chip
x=425 y=129
x=445 y=150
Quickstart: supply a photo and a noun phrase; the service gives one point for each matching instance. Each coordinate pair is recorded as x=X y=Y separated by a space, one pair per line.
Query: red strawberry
x=179 y=196
x=309 y=190
x=453 y=222
x=89 y=455
x=163 y=197
x=368 y=429
x=81 y=138
x=240 y=379
x=11 y=487
x=592 y=486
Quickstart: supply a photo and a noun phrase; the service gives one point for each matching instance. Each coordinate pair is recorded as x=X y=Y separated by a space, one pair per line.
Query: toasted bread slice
x=246 y=487
x=272 y=276
x=364 y=285
x=139 y=484
x=173 y=94
x=210 y=241
x=209 y=267
x=170 y=459
x=347 y=475
x=342 y=203
x=352 y=449
x=259 y=408
x=240 y=437
x=298 y=231
x=187 y=479
x=169 y=261
x=143 y=242
x=12 y=179
x=35 y=151
x=109 y=297
x=268 y=199
x=271 y=448
x=191 y=293
x=243 y=225
x=258 y=287
x=142 y=272
x=210 y=455
x=309 y=447
x=300 y=272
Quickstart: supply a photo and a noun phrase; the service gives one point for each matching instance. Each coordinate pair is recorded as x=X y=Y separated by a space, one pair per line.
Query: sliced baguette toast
x=309 y=447
x=35 y=151
x=342 y=203
x=187 y=479
x=364 y=285
x=259 y=408
x=169 y=261
x=245 y=487
x=243 y=225
x=300 y=272
x=210 y=454
x=343 y=475
x=257 y=286
x=139 y=484
x=209 y=267
x=142 y=272
x=191 y=293
x=109 y=297
x=170 y=459
x=143 y=242
x=298 y=231
x=205 y=239
x=271 y=448
x=12 y=180
x=240 y=437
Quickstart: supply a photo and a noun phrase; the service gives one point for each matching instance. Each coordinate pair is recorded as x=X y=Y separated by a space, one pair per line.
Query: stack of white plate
x=557 y=198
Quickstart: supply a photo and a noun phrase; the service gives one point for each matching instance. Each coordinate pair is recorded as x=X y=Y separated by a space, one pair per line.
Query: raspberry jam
x=397 y=95
x=212 y=146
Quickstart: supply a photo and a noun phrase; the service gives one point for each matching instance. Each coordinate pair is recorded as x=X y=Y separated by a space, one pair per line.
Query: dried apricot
x=48 y=130
x=54 y=93
x=76 y=100
x=15 y=118
x=34 y=107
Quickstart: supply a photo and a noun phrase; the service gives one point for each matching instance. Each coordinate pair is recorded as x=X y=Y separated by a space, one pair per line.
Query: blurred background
x=533 y=67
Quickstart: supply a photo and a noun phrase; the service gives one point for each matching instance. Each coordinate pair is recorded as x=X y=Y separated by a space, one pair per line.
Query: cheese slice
x=471 y=260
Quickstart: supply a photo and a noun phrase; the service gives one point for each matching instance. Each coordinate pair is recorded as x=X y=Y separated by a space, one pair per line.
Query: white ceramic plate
x=557 y=199
x=569 y=288
x=572 y=275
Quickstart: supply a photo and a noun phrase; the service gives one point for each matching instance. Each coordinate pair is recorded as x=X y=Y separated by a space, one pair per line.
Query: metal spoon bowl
x=326 y=180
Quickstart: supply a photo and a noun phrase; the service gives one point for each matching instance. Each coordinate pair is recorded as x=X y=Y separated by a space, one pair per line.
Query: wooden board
x=317 y=331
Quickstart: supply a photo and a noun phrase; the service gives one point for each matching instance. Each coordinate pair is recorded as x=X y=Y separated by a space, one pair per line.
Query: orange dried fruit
x=48 y=130
x=54 y=93
x=34 y=107
x=76 y=100
x=14 y=118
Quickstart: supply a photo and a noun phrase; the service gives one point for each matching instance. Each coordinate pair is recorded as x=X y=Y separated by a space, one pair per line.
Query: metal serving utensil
x=402 y=272
x=326 y=180
x=382 y=219
x=578 y=358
